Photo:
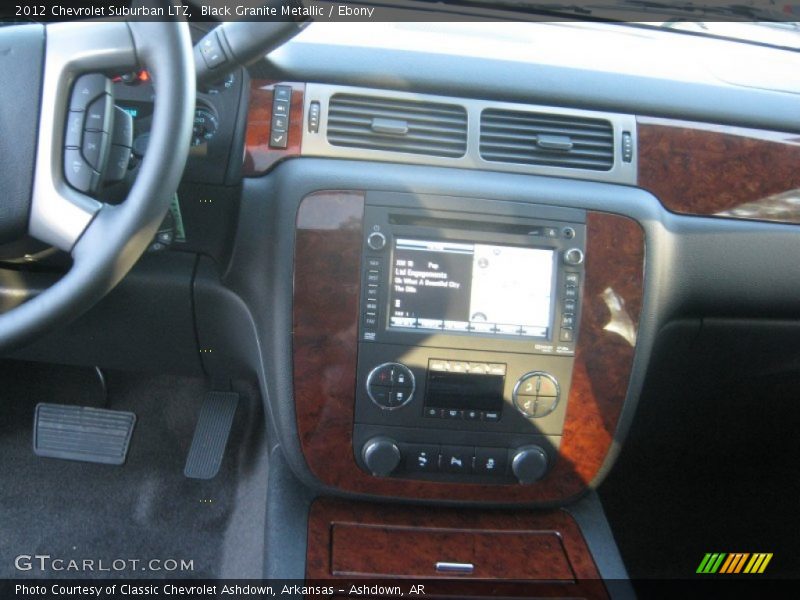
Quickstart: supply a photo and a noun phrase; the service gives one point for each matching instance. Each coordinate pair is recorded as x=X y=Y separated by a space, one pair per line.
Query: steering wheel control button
x=87 y=88
x=536 y=394
x=211 y=51
x=573 y=256
x=74 y=132
x=78 y=173
x=123 y=128
x=119 y=158
x=420 y=458
x=376 y=240
x=390 y=386
x=95 y=147
x=99 y=114
x=381 y=455
x=457 y=459
x=491 y=461
x=529 y=464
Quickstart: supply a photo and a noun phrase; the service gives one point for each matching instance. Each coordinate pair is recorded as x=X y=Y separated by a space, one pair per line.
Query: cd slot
x=515 y=228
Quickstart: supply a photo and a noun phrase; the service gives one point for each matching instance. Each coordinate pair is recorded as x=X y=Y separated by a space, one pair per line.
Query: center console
x=452 y=348
x=467 y=336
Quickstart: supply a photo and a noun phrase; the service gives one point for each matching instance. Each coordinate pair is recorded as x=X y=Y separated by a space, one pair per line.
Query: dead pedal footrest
x=211 y=435
x=82 y=433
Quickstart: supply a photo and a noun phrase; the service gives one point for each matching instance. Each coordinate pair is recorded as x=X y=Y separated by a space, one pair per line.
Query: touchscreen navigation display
x=471 y=288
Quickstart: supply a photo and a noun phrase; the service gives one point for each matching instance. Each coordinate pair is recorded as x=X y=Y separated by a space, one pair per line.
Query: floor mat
x=145 y=510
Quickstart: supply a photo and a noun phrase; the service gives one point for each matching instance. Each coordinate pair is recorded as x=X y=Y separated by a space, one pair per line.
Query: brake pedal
x=82 y=433
x=211 y=435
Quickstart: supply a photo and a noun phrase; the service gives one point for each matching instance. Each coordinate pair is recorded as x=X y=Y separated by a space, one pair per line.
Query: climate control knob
x=381 y=455
x=529 y=464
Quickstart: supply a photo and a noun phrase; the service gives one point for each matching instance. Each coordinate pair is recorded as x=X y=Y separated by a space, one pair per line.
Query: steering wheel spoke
x=60 y=213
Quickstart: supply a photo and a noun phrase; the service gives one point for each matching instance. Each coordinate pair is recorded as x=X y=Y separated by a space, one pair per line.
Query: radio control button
x=420 y=458
x=572 y=278
x=567 y=334
x=570 y=292
x=491 y=461
x=373 y=276
x=376 y=240
x=568 y=320
x=569 y=306
x=373 y=262
x=573 y=256
x=457 y=459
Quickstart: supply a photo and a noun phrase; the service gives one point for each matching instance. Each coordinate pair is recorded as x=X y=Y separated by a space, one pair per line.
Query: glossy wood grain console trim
x=325 y=312
x=714 y=170
x=259 y=157
x=513 y=553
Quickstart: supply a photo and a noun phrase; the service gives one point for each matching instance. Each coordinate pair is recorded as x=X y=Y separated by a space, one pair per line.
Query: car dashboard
x=447 y=253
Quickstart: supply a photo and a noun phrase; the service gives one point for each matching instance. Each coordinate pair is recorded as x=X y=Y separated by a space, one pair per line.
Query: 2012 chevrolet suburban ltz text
x=453 y=299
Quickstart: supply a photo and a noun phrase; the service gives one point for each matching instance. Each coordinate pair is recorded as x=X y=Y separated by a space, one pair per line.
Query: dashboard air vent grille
x=396 y=125
x=547 y=139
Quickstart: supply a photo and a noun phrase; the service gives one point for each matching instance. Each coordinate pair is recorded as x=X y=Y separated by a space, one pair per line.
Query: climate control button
x=536 y=394
x=391 y=386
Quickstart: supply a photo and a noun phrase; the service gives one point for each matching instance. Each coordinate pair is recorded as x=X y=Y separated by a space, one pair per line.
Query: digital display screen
x=471 y=288
x=465 y=391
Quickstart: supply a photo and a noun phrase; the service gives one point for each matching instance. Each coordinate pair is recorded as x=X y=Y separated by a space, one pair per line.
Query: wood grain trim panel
x=715 y=170
x=558 y=562
x=259 y=157
x=325 y=313
x=386 y=551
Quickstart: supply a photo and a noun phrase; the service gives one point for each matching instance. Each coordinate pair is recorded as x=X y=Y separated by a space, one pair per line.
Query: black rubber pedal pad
x=82 y=433
x=211 y=435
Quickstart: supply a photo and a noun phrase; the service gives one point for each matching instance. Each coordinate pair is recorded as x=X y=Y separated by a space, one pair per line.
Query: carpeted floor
x=145 y=509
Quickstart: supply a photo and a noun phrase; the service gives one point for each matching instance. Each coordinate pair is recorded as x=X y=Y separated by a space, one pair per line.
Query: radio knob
x=529 y=464
x=573 y=256
x=381 y=455
x=376 y=240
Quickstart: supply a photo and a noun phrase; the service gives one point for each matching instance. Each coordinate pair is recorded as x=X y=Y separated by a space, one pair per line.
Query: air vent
x=395 y=125
x=547 y=139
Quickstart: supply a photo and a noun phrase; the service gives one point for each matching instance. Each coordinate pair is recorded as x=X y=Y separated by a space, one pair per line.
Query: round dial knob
x=381 y=455
x=536 y=394
x=390 y=385
x=529 y=464
x=376 y=240
x=573 y=256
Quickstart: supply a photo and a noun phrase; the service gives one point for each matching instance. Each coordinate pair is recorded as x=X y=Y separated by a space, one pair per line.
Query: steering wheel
x=104 y=240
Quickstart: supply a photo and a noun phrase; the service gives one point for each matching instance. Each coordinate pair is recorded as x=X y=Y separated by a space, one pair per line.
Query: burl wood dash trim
x=325 y=343
x=259 y=157
x=514 y=553
x=715 y=170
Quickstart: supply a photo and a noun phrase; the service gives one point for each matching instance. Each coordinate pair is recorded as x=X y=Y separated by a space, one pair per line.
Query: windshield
x=766 y=22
